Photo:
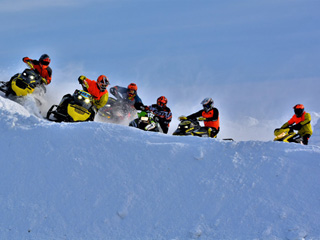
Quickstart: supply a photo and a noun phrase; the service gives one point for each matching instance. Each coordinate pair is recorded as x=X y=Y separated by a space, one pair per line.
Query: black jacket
x=164 y=115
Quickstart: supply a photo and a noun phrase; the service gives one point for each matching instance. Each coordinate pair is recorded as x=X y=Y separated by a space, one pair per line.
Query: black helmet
x=207 y=104
x=45 y=59
x=298 y=110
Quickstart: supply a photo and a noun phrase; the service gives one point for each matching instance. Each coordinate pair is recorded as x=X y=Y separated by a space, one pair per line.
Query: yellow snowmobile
x=73 y=108
x=286 y=135
x=22 y=84
x=190 y=127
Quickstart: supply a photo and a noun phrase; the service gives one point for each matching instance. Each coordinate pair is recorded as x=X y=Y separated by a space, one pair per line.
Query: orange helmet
x=298 y=110
x=44 y=60
x=162 y=101
x=132 y=89
x=102 y=83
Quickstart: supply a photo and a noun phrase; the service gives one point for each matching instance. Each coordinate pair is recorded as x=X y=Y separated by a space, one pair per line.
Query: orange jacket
x=212 y=117
x=100 y=98
x=211 y=123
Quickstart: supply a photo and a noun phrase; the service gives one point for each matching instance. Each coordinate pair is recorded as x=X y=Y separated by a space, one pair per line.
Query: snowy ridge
x=105 y=181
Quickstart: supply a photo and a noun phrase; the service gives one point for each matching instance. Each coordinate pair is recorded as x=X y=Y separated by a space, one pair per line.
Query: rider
x=210 y=116
x=98 y=89
x=41 y=66
x=162 y=112
x=128 y=96
x=300 y=121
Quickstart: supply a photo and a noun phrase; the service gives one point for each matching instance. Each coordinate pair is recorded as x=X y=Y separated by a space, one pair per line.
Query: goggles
x=103 y=86
x=131 y=92
x=161 y=103
x=45 y=62
x=207 y=107
x=298 y=111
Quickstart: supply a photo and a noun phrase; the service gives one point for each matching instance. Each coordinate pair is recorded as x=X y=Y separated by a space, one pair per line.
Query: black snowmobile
x=22 y=84
x=73 y=108
x=116 y=110
x=190 y=127
x=146 y=121
x=286 y=135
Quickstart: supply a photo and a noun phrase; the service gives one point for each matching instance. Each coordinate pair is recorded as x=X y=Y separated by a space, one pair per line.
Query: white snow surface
x=98 y=180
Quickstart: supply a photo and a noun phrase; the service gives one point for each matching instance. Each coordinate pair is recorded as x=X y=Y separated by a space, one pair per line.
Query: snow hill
x=105 y=181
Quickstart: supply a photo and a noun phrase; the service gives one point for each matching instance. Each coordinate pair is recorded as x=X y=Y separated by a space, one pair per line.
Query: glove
x=296 y=127
x=150 y=126
x=144 y=108
x=182 y=118
x=201 y=119
x=81 y=79
x=26 y=59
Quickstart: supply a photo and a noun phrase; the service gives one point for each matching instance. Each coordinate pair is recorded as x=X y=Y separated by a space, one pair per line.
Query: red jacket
x=93 y=89
x=44 y=71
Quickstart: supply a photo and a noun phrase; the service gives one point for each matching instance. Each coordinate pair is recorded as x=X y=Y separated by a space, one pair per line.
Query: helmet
x=132 y=89
x=207 y=104
x=298 y=110
x=102 y=83
x=162 y=101
x=45 y=59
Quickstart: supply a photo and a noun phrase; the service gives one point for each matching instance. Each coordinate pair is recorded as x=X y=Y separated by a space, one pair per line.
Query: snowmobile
x=116 y=111
x=146 y=121
x=286 y=135
x=190 y=127
x=22 y=84
x=73 y=108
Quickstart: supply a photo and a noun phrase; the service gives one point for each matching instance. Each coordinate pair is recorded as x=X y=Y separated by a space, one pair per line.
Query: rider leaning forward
x=98 y=89
x=41 y=66
x=162 y=112
x=300 y=121
x=210 y=116
x=128 y=96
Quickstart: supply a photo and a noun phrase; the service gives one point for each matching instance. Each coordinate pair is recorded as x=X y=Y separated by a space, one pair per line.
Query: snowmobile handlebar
x=182 y=118
x=30 y=65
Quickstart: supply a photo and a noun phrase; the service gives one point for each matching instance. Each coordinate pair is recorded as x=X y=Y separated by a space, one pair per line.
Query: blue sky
x=254 y=58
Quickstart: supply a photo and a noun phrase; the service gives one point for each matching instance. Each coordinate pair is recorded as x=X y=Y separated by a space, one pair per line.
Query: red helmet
x=45 y=60
x=162 y=101
x=132 y=89
x=298 y=110
x=102 y=83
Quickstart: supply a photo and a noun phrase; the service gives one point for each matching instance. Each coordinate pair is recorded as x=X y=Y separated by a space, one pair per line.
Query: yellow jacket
x=102 y=101
x=304 y=121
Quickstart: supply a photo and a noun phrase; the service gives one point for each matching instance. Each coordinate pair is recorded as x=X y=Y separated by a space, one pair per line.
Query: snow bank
x=104 y=181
